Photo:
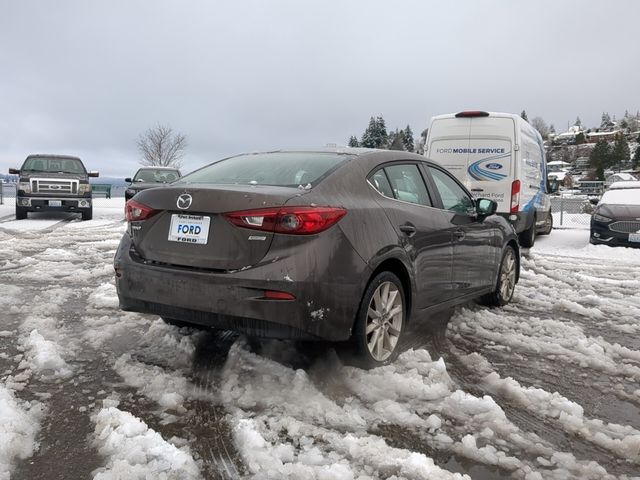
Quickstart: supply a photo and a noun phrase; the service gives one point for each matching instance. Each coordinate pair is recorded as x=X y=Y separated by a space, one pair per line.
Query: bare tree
x=160 y=146
x=539 y=124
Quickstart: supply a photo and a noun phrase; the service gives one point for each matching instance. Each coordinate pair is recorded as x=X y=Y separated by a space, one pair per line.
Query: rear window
x=159 y=175
x=58 y=165
x=284 y=169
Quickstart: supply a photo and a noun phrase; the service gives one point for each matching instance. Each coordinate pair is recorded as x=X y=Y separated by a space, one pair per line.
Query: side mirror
x=94 y=174
x=553 y=185
x=486 y=207
x=128 y=180
x=14 y=171
x=594 y=200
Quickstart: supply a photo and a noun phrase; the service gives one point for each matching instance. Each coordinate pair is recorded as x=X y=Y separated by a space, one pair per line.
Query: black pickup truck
x=53 y=183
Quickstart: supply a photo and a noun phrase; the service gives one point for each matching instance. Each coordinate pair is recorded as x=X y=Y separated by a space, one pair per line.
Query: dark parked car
x=335 y=245
x=150 y=177
x=57 y=183
x=616 y=219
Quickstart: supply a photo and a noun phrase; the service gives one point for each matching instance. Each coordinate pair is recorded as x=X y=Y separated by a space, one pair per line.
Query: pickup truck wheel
x=21 y=213
x=87 y=214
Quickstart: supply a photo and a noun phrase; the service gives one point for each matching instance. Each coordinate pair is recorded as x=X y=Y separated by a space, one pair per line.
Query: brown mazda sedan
x=336 y=244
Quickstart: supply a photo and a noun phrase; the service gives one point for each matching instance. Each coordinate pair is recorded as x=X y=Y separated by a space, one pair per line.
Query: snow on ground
x=546 y=387
x=19 y=425
x=134 y=451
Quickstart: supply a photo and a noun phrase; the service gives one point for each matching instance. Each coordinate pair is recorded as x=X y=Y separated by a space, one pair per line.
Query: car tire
x=380 y=321
x=87 y=214
x=548 y=225
x=21 y=213
x=506 y=283
x=528 y=237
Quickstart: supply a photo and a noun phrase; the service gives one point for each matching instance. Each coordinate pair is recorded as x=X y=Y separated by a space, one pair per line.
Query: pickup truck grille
x=625 y=226
x=54 y=186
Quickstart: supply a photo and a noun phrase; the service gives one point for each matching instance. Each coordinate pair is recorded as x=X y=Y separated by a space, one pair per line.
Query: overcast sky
x=87 y=77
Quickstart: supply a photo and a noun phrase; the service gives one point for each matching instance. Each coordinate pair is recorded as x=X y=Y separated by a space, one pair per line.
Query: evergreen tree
x=396 y=140
x=552 y=129
x=600 y=158
x=368 y=135
x=580 y=139
x=636 y=158
x=523 y=115
x=605 y=121
x=353 y=141
x=382 y=136
x=408 y=139
x=578 y=122
x=375 y=136
x=620 y=151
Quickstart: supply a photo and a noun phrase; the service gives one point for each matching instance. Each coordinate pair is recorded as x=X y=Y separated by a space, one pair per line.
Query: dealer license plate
x=634 y=237
x=55 y=203
x=189 y=228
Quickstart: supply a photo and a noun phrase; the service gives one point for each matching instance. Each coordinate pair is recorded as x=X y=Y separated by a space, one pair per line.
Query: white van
x=497 y=156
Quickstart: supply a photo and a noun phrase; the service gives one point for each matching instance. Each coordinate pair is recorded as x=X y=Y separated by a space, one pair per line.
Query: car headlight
x=25 y=187
x=601 y=218
x=84 y=188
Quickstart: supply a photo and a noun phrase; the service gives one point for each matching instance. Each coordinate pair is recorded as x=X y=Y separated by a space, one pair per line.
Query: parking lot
x=546 y=387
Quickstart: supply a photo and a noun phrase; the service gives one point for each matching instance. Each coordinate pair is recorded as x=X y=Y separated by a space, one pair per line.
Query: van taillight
x=515 y=196
x=472 y=114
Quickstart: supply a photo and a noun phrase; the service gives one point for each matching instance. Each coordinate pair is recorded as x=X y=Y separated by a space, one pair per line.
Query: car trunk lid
x=189 y=227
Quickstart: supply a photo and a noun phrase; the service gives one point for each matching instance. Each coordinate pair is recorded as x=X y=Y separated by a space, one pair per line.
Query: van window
x=454 y=198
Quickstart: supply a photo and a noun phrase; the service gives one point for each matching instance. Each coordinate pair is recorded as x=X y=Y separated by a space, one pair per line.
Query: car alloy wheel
x=508 y=275
x=384 y=321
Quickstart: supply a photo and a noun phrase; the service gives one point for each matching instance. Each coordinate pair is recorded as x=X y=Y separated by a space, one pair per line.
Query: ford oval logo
x=184 y=201
x=494 y=166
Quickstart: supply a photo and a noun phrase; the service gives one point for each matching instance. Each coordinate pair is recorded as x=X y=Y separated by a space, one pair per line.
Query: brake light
x=136 y=211
x=515 y=196
x=291 y=220
x=472 y=114
x=276 y=295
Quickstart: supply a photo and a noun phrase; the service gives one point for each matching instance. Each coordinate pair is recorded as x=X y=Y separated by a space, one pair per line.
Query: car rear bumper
x=601 y=235
x=324 y=308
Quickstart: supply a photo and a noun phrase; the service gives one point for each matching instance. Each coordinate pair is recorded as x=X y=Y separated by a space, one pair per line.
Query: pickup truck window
x=62 y=165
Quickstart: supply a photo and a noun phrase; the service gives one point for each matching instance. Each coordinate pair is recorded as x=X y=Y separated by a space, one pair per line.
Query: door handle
x=408 y=229
x=459 y=234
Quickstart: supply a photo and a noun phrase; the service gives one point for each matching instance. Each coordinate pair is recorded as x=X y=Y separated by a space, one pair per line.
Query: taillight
x=136 y=211
x=515 y=196
x=472 y=114
x=291 y=220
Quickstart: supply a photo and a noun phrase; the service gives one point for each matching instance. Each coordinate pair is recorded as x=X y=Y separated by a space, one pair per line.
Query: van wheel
x=87 y=214
x=21 y=213
x=528 y=237
x=506 y=283
x=380 y=321
x=548 y=224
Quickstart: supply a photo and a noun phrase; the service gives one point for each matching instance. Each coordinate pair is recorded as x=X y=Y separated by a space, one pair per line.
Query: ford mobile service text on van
x=497 y=156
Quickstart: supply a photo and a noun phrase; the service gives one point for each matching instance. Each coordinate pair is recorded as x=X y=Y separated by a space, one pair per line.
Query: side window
x=380 y=183
x=407 y=184
x=453 y=197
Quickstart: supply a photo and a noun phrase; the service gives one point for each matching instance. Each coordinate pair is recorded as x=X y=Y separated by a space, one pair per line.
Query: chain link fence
x=573 y=211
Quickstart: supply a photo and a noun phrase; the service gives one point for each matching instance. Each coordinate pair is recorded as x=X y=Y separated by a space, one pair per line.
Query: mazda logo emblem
x=184 y=201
